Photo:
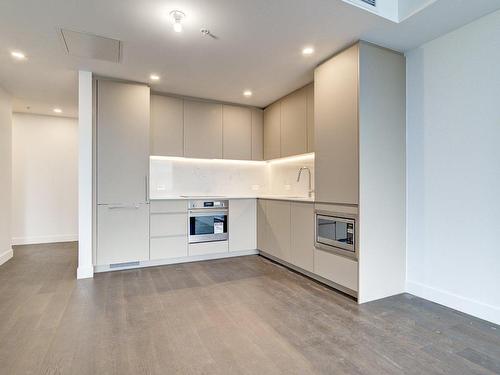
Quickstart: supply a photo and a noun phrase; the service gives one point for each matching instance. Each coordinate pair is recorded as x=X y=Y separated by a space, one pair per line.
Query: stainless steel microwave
x=336 y=233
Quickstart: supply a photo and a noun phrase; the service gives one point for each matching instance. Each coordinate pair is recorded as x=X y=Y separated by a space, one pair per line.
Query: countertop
x=273 y=197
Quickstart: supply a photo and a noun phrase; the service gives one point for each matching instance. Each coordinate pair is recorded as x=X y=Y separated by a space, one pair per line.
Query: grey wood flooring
x=234 y=316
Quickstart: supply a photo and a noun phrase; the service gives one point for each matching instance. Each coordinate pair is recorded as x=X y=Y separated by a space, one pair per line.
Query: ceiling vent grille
x=373 y=3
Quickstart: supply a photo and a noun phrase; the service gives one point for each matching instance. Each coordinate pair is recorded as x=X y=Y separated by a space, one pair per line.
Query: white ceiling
x=258 y=47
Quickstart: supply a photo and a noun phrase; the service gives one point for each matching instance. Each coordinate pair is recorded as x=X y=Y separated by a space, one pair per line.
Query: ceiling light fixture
x=177 y=17
x=154 y=77
x=18 y=55
x=57 y=110
x=247 y=93
x=308 y=51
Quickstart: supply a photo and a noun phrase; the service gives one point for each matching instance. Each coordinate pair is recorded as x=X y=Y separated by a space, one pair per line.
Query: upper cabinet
x=202 y=129
x=237 y=132
x=336 y=128
x=289 y=124
x=167 y=126
x=294 y=123
x=272 y=131
x=122 y=124
x=257 y=134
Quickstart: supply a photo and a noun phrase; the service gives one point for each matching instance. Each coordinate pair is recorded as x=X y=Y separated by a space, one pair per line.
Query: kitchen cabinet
x=262 y=225
x=202 y=129
x=302 y=235
x=167 y=126
x=242 y=224
x=341 y=270
x=122 y=233
x=272 y=131
x=336 y=128
x=278 y=231
x=257 y=134
x=237 y=132
x=310 y=117
x=294 y=123
x=122 y=123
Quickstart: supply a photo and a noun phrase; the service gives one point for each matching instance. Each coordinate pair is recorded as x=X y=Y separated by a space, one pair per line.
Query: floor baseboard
x=44 y=239
x=5 y=256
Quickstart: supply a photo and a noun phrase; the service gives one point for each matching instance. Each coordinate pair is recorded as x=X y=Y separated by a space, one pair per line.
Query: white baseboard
x=164 y=262
x=84 y=272
x=5 y=256
x=466 y=305
x=44 y=239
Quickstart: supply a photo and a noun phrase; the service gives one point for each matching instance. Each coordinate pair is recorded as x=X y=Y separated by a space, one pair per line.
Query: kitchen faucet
x=309 y=173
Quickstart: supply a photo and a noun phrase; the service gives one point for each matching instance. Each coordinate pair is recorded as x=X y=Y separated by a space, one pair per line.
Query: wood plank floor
x=233 y=316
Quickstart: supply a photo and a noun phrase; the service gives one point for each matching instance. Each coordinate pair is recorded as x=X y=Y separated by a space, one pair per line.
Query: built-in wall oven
x=208 y=220
x=336 y=232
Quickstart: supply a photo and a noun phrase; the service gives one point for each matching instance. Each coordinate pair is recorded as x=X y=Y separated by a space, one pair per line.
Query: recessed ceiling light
x=18 y=55
x=247 y=93
x=308 y=51
x=57 y=110
x=177 y=16
x=154 y=77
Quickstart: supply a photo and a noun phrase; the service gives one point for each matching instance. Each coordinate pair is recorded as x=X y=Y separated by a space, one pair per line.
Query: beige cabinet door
x=293 y=123
x=272 y=131
x=278 y=233
x=202 y=129
x=167 y=126
x=310 y=117
x=242 y=224
x=262 y=226
x=302 y=235
x=237 y=132
x=257 y=134
x=122 y=142
x=336 y=128
x=122 y=233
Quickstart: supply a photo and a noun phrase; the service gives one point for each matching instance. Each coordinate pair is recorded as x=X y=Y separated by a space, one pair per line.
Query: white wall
x=44 y=179
x=453 y=164
x=5 y=175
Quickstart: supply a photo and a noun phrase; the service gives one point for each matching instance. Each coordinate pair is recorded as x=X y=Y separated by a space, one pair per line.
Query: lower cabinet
x=302 y=235
x=278 y=231
x=122 y=233
x=341 y=270
x=206 y=248
x=242 y=224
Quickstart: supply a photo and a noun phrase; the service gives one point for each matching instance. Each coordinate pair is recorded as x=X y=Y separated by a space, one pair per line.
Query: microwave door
x=326 y=230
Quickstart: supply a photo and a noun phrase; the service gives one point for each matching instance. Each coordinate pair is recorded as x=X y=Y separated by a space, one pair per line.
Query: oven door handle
x=202 y=212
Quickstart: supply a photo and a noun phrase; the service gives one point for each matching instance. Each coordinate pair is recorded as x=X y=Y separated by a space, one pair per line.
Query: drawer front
x=168 y=225
x=175 y=206
x=336 y=268
x=206 y=248
x=168 y=247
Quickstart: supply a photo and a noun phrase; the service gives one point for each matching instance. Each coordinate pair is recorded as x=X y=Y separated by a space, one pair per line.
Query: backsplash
x=174 y=176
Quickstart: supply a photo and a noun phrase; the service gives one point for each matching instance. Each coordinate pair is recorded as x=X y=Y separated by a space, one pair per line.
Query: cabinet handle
x=124 y=207
x=146 y=182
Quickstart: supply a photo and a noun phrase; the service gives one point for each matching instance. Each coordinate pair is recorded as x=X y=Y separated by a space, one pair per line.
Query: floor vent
x=373 y=3
x=121 y=265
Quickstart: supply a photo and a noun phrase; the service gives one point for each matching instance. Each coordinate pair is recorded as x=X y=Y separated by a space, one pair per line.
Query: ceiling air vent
x=373 y=3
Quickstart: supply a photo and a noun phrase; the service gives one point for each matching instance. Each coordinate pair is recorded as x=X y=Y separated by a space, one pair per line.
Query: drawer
x=208 y=248
x=168 y=225
x=174 y=206
x=168 y=247
x=336 y=268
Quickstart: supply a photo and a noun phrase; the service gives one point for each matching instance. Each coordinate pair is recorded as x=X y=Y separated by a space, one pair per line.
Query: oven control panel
x=197 y=204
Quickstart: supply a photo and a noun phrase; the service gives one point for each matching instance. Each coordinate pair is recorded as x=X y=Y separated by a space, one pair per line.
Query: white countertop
x=274 y=197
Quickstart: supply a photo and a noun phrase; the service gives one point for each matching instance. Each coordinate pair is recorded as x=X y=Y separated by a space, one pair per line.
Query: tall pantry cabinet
x=122 y=172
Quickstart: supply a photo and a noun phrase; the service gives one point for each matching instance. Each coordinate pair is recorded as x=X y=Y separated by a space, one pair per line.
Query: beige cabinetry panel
x=262 y=225
x=278 y=231
x=310 y=117
x=257 y=134
x=302 y=235
x=168 y=247
x=122 y=119
x=202 y=129
x=293 y=123
x=167 y=126
x=237 y=132
x=242 y=224
x=272 y=131
x=123 y=233
x=336 y=268
x=336 y=128
x=207 y=248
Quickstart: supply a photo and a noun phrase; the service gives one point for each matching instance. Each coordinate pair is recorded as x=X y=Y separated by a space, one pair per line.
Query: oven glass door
x=208 y=226
x=335 y=231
